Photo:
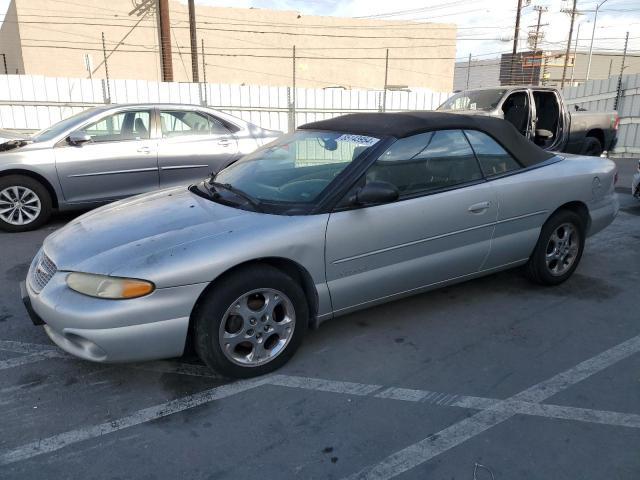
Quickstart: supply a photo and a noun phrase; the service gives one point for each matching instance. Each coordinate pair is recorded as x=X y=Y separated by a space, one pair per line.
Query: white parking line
x=27 y=359
x=492 y=411
x=323 y=385
x=62 y=440
x=432 y=446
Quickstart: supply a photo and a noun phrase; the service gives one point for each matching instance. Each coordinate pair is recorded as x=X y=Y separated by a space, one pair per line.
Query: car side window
x=122 y=126
x=426 y=162
x=179 y=123
x=493 y=159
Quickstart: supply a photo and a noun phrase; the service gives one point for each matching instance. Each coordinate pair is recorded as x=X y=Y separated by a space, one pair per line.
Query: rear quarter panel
x=527 y=200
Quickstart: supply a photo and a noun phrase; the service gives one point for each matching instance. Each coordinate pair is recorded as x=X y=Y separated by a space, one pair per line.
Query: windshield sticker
x=358 y=139
x=473 y=106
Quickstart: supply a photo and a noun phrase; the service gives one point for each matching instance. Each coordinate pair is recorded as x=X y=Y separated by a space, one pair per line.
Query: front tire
x=250 y=322
x=25 y=204
x=559 y=249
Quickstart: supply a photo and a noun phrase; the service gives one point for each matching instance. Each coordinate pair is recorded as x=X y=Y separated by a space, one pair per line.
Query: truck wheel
x=591 y=147
x=251 y=322
x=25 y=204
x=558 y=250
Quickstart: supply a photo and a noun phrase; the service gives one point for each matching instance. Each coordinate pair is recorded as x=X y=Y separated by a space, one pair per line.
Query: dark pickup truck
x=541 y=114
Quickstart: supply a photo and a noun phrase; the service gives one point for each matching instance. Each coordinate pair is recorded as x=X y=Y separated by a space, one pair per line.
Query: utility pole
x=566 y=55
x=536 y=39
x=515 y=40
x=194 y=40
x=622 y=67
x=593 y=33
x=468 y=72
x=165 y=40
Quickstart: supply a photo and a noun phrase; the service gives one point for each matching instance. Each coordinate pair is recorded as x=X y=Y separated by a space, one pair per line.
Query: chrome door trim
x=114 y=172
x=179 y=167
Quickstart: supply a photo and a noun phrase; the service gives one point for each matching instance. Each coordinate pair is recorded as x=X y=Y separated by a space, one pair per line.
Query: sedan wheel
x=250 y=322
x=558 y=250
x=19 y=205
x=257 y=327
x=25 y=204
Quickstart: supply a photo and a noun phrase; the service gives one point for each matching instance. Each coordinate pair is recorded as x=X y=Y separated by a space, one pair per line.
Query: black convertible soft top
x=405 y=124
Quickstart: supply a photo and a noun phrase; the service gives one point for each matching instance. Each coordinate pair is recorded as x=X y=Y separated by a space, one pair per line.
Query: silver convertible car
x=110 y=152
x=338 y=216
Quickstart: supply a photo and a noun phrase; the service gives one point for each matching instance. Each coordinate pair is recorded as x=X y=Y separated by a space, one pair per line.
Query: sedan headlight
x=103 y=286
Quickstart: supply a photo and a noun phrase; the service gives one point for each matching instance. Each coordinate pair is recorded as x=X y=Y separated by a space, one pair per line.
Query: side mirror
x=79 y=138
x=544 y=134
x=375 y=193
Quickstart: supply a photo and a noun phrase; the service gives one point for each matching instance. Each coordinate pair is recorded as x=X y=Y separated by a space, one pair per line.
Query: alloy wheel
x=562 y=249
x=19 y=205
x=257 y=327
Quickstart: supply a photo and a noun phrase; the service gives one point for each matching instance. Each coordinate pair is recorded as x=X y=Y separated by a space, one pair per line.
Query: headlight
x=103 y=286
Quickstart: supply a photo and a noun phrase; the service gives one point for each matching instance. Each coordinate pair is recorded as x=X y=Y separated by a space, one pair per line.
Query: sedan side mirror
x=79 y=138
x=374 y=193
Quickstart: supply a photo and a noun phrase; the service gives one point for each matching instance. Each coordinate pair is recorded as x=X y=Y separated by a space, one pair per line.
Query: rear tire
x=250 y=322
x=559 y=249
x=591 y=147
x=25 y=204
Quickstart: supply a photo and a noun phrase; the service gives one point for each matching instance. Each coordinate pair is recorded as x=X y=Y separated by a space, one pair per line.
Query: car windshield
x=62 y=126
x=297 y=167
x=474 y=100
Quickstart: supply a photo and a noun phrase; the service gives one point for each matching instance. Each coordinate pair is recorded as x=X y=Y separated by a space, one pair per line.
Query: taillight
x=615 y=122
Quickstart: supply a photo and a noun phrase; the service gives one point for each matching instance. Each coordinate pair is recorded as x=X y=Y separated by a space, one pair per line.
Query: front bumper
x=145 y=328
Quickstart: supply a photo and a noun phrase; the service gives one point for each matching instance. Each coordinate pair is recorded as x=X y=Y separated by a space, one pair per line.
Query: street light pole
x=593 y=33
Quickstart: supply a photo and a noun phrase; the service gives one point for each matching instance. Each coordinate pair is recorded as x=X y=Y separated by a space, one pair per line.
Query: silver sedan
x=107 y=153
x=341 y=215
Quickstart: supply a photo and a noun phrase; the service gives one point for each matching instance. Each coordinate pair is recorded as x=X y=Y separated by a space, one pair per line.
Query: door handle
x=144 y=150
x=479 y=207
x=224 y=142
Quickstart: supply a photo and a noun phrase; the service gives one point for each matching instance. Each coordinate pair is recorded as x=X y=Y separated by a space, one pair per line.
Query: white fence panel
x=600 y=96
x=35 y=102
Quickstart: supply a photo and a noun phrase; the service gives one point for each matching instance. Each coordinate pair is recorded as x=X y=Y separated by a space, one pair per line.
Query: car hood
x=123 y=232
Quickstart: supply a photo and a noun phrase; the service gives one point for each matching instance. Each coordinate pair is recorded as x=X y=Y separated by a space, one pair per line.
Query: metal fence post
x=290 y=112
x=386 y=79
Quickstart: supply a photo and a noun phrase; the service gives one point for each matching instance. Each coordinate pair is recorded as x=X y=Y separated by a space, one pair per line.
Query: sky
x=484 y=27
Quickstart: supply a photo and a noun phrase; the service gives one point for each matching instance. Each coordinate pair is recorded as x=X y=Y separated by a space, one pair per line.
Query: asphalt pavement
x=529 y=382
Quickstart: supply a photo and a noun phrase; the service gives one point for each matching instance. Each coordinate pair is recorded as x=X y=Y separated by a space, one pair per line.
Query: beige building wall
x=52 y=38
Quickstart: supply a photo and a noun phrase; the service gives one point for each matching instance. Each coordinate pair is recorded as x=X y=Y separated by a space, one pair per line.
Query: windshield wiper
x=255 y=203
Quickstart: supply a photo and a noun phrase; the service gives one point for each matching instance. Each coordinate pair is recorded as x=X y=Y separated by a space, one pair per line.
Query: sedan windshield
x=485 y=100
x=296 y=168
